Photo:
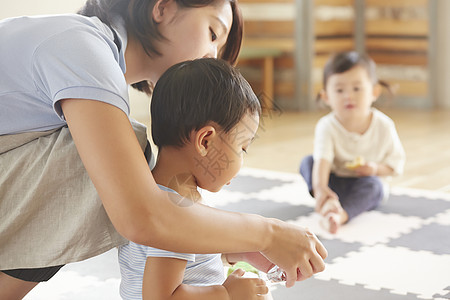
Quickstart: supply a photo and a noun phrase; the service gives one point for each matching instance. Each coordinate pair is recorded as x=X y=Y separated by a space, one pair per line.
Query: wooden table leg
x=268 y=82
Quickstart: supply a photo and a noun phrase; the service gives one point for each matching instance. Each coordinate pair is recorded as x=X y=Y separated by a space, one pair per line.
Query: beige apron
x=50 y=213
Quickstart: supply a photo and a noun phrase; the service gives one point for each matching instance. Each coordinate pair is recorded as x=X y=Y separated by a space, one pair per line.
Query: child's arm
x=163 y=281
x=374 y=169
x=320 y=177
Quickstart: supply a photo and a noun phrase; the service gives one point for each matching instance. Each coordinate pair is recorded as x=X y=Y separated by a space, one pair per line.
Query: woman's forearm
x=201 y=229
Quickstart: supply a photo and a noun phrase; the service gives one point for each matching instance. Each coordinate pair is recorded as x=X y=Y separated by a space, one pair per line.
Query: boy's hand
x=323 y=195
x=368 y=169
x=240 y=288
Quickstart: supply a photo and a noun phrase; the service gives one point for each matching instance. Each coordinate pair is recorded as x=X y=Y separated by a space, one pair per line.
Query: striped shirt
x=201 y=269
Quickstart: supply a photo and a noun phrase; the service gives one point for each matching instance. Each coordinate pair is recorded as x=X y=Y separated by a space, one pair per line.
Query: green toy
x=244 y=266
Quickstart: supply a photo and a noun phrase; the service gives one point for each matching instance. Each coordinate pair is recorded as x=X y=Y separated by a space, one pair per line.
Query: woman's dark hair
x=344 y=61
x=139 y=23
x=192 y=94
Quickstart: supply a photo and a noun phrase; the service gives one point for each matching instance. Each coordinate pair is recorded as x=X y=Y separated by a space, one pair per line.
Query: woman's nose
x=212 y=53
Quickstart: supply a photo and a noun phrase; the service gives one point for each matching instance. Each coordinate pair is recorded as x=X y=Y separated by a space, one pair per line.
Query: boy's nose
x=347 y=95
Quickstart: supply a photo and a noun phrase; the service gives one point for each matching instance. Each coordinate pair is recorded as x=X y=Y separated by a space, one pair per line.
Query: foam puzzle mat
x=400 y=251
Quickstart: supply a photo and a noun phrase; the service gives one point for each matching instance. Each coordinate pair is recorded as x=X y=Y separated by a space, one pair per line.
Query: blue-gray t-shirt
x=45 y=59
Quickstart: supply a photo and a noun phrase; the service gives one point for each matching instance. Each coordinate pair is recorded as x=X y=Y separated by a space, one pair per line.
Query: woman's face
x=191 y=33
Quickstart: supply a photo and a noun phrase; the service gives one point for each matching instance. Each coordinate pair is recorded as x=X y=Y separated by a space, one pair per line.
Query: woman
x=74 y=70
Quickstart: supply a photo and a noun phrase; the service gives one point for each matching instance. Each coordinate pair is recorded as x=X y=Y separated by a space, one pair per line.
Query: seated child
x=204 y=118
x=354 y=145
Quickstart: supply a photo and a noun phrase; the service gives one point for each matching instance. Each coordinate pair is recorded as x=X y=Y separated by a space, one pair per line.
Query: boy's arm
x=163 y=279
x=320 y=177
x=374 y=169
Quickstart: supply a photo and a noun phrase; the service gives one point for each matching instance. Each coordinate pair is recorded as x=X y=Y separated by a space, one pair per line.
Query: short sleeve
x=82 y=63
x=323 y=142
x=154 y=252
x=396 y=155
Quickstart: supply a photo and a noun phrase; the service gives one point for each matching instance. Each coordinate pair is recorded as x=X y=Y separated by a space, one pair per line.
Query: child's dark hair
x=192 y=94
x=344 y=61
x=139 y=23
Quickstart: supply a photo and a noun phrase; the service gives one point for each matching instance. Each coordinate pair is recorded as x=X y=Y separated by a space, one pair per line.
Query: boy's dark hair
x=192 y=94
x=344 y=61
x=139 y=23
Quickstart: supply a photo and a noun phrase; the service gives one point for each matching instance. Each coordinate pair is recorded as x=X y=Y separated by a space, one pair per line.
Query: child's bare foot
x=332 y=222
x=332 y=212
x=331 y=205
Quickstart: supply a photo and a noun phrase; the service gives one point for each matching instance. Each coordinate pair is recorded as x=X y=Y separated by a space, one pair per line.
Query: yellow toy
x=357 y=162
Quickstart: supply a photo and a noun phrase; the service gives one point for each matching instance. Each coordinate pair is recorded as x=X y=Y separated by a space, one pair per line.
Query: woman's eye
x=356 y=88
x=213 y=35
x=244 y=150
x=339 y=90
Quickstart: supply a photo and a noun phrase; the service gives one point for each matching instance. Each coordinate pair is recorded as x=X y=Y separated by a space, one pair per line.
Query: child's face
x=193 y=33
x=226 y=154
x=350 y=93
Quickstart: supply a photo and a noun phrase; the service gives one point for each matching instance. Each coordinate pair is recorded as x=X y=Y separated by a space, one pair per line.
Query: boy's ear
x=162 y=9
x=376 y=91
x=203 y=139
x=323 y=96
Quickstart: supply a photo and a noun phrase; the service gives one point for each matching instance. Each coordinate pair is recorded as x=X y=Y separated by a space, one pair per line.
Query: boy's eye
x=213 y=35
x=244 y=150
x=339 y=90
x=356 y=88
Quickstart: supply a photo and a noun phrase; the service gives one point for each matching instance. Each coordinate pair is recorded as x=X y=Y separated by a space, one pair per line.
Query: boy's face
x=225 y=154
x=350 y=93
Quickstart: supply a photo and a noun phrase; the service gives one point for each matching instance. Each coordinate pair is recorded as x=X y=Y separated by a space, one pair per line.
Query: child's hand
x=240 y=288
x=323 y=195
x=368 y=169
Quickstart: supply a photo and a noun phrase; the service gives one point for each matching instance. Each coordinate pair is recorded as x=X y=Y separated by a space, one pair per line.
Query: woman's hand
x=240 y=288
x=295 y=250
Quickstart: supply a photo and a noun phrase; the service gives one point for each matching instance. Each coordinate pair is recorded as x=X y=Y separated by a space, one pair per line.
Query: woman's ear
x=162 y=9
x=204 y=138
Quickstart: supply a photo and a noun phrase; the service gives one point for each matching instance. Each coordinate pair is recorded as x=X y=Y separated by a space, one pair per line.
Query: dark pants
x=33 y=275
x=356 y=194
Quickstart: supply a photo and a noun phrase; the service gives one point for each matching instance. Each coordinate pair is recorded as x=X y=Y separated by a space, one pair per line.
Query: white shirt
x=380 y=143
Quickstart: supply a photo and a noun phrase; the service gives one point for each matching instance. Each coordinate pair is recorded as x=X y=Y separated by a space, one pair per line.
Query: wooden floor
x=284 y=138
